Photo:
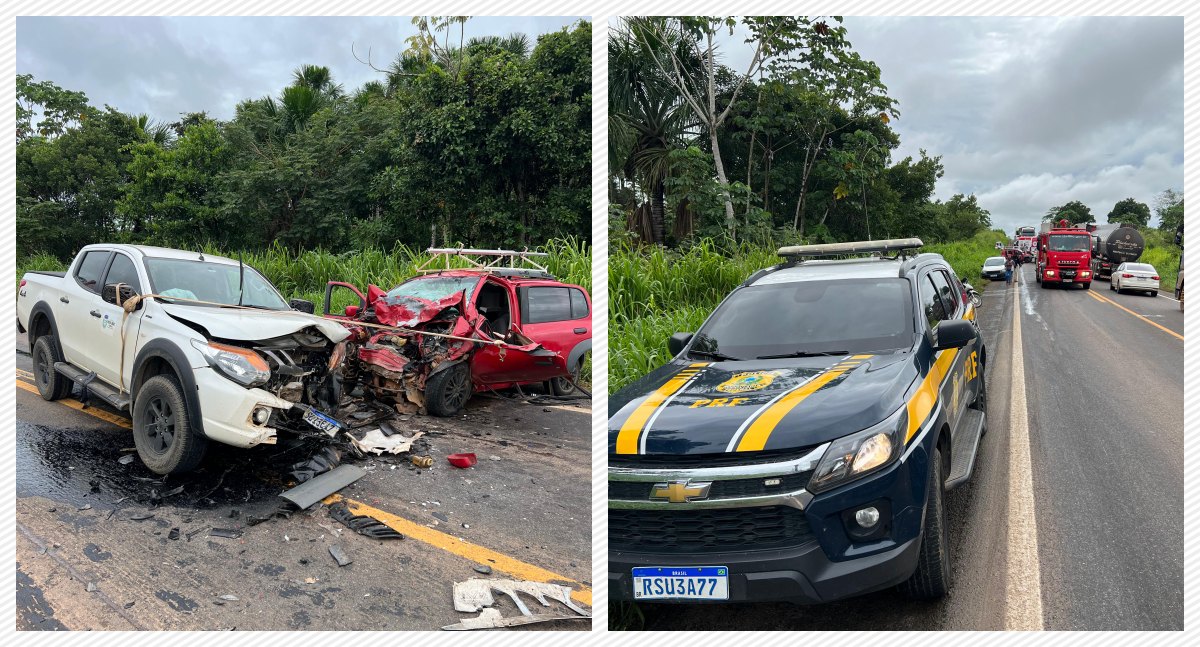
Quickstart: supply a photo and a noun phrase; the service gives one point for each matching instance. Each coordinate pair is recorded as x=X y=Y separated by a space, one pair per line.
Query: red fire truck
x=1064 y=255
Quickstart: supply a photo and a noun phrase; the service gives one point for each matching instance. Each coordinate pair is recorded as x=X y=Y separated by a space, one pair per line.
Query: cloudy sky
x=1031 y=113
x=167 y=66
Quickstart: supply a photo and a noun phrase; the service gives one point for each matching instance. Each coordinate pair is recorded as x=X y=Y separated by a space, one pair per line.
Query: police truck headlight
x=861 y=453
x=241 y=365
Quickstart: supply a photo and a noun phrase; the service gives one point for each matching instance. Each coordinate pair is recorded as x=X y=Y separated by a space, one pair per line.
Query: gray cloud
x=166 y=66
x=1029 y=113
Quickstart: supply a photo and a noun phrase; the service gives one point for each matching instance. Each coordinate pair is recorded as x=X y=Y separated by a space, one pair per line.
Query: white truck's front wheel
x=51 y=385
x=162 y=431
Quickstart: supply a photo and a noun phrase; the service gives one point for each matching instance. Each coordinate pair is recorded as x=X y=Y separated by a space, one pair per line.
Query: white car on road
x=203 y=349
x=1135 y=276
x=993 y=268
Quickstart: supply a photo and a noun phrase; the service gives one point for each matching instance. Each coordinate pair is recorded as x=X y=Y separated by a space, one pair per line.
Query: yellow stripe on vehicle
x=922 y=402
x=473 y=552
x=631 y=430
x=757 y=434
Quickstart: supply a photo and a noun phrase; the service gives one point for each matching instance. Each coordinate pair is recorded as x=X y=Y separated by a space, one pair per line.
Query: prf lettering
x=718 y=402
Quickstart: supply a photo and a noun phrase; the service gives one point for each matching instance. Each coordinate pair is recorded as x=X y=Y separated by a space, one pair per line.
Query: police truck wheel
x=162 y=430
x=51 y=385
x=932 y=577
x=447 y=391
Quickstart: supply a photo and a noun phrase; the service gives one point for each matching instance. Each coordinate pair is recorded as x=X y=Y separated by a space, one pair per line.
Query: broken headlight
x=241 y=365
x=861 y=453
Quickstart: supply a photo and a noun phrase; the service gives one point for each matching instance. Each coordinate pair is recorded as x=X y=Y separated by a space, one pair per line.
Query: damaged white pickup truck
x=195 y=347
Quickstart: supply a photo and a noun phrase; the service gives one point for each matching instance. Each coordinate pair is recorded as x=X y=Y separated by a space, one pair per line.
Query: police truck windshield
x=849 y=315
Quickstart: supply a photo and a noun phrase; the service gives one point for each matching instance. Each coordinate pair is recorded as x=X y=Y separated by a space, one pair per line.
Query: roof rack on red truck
x=1064 y=255
x=491 y=261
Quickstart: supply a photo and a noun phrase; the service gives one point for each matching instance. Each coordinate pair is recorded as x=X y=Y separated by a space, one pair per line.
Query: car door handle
x=95 y=313
x=580 y=331
x=64 y=299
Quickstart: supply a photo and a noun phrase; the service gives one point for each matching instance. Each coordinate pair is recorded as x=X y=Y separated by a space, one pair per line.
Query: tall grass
x=654 y=292
x=1162 y=252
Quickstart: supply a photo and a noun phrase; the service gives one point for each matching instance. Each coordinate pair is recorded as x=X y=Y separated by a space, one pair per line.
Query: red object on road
x=462 y=460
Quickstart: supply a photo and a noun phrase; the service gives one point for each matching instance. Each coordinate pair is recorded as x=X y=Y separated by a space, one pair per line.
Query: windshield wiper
x=806 y=353
x=714 y=355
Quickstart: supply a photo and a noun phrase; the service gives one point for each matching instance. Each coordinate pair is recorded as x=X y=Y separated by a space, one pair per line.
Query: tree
x=778 y=42
x=1074 y=211
x=60 y=109
x=647 y=121
x=1168 y=206
x=1131 y=211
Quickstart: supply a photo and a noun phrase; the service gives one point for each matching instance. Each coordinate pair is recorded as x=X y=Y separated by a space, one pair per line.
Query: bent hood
x=253 y=325
x=690 y=407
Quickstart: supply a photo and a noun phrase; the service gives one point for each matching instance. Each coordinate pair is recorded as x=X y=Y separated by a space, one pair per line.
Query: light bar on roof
x=857 y=247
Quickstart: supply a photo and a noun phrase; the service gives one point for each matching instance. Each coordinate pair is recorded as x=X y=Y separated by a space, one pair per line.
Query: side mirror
x=678 y=341
x=302 y=305
x=118 y=293
x=954 y=333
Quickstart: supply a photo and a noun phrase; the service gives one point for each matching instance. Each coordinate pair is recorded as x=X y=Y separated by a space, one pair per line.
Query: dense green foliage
x=487 y=145
x=1131 y=211
x=655 y=292
x=796 y=147
x=1162 y=252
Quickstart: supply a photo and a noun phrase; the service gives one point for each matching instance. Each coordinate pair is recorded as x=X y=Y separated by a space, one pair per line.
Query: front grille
x=640 y=491
x=721 y=459
x=707 y=531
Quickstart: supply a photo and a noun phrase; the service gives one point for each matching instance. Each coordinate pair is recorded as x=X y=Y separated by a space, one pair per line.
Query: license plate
x=322 y=422
x=681 y=583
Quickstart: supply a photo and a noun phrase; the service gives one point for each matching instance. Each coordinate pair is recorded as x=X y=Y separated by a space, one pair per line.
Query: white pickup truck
x=215 y=354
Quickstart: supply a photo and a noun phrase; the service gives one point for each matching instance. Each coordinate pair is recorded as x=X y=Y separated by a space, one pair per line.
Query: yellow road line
x=78 y=406
x=1114 y=303
x=21 y=373
x=473 y=552
x=448 y=543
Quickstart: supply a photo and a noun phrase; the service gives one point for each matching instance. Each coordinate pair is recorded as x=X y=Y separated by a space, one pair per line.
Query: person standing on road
x=1008 y=271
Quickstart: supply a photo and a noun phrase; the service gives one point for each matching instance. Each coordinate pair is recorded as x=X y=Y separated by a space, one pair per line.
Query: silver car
x=993 y=268
x=1135 y=276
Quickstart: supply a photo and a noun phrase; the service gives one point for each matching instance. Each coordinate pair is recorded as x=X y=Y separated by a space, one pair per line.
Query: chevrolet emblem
x=680 y=491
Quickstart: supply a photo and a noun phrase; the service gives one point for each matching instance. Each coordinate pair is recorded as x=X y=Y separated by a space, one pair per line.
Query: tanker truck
x=1113 y=245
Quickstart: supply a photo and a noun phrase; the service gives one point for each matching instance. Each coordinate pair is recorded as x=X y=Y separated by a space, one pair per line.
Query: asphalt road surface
x=1073 y=518
x=83 y=562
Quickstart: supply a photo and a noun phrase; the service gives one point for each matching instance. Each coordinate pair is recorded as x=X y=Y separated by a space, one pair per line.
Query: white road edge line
x=1023 y=591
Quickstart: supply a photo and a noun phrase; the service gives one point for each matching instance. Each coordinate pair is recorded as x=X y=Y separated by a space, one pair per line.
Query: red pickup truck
x=477 y=329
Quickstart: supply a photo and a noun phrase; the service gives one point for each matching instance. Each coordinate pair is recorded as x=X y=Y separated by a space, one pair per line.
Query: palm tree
x=647 y=121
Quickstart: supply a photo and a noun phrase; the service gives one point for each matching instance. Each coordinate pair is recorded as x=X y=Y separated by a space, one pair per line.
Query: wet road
x=524 y=510
x=1101 y=415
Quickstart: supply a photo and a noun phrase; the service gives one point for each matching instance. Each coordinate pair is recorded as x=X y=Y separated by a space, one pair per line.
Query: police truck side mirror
x=953 y=333
x=678 y=341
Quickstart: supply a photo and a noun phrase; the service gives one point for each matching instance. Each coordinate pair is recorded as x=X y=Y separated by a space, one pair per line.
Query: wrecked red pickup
x=431 y=341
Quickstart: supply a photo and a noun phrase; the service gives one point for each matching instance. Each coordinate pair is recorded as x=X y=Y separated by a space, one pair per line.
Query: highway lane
x=1105 y=392
x=520 y=511
x=1106 y=470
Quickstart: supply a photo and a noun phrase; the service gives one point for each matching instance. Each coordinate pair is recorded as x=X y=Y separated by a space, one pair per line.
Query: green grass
x=655 y=292
x=1162 y=252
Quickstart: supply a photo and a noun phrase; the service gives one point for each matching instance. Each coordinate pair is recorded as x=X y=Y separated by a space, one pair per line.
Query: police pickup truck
x=799 y=445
